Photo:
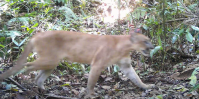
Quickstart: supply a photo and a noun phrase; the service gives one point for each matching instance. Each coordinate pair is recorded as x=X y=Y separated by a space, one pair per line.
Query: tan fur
x=99 y=51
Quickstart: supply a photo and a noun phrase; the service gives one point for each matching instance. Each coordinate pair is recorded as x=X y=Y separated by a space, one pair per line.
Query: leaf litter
x=109 y=86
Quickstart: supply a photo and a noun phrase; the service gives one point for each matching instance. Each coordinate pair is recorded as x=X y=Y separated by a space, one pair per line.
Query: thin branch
x=16 y=83
x=188 y=10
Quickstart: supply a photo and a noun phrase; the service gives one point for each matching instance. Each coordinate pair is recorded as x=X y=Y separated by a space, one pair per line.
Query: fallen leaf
x=75 y=91
x=108 y=78
x=116 y=86
x=106 y=87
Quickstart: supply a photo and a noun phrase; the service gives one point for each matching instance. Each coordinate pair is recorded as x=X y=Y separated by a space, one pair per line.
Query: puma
x=98 y=51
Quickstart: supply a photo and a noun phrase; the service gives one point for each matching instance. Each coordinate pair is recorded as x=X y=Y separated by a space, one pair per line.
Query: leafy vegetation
x=172 y=25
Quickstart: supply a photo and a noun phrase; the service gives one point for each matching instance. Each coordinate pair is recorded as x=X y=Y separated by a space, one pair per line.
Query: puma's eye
x=146 y=42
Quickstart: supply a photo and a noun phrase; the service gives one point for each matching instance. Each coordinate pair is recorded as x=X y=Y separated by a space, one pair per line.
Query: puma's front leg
x=127 y=69
x=93 y=77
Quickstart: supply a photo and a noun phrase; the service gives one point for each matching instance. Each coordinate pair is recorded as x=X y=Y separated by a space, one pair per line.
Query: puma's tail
x=19 y=64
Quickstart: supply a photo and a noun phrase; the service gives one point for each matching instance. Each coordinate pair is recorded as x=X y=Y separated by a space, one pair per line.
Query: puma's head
x=141 y=42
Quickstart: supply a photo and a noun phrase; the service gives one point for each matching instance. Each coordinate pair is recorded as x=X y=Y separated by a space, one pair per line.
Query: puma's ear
x=133 y=33
x=136 y=30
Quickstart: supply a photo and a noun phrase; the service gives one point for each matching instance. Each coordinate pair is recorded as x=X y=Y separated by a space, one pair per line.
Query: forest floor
x=172 y=83
x=109 y=86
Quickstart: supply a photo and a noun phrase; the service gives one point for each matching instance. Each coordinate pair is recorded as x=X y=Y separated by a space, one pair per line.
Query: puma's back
x=81 y=47
x=99 y=51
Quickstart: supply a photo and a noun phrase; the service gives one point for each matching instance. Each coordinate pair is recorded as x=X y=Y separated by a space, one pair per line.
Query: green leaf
x=159 y=41
x=193 y=80
x=159 y=97
x=15 y=42
x=68 y=13
x=32 y=14
x=14 y=89
x=2 y=39
x=2 y=46
x=35 y=25
x=193 y=77
x=181 y=31
x=66 y=84
x=22 y=42
x=3 y=83
x=116 y=68
x=193 y=6
x=47 y=10
x=11 y=87
x=31 y=30
x=13 y=34
x=153 y=51
x=145 y=27
x=195 y=28
x=195 y=71
x=27 y=28
x=24 y=20
x=8 y=86
x=189 y=37
x=174 y=38
x=197 y=51
x=139 y=12
x=195 y=87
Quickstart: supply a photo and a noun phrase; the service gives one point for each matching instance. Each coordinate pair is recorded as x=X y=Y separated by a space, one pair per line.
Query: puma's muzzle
x=149 y=47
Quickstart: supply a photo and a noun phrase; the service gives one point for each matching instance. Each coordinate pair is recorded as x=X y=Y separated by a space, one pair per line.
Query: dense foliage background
x=172 y=25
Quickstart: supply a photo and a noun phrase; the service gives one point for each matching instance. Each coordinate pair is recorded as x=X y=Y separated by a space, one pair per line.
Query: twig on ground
x=16 y=83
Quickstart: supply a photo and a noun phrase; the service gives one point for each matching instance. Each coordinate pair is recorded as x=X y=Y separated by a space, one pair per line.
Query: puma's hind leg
x=45 y=65
x=41 y=77
x=127 y=69
x=42 y=64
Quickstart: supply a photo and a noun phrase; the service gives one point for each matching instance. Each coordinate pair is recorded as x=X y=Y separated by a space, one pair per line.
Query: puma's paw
x=151 y=86
x=91 y=96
